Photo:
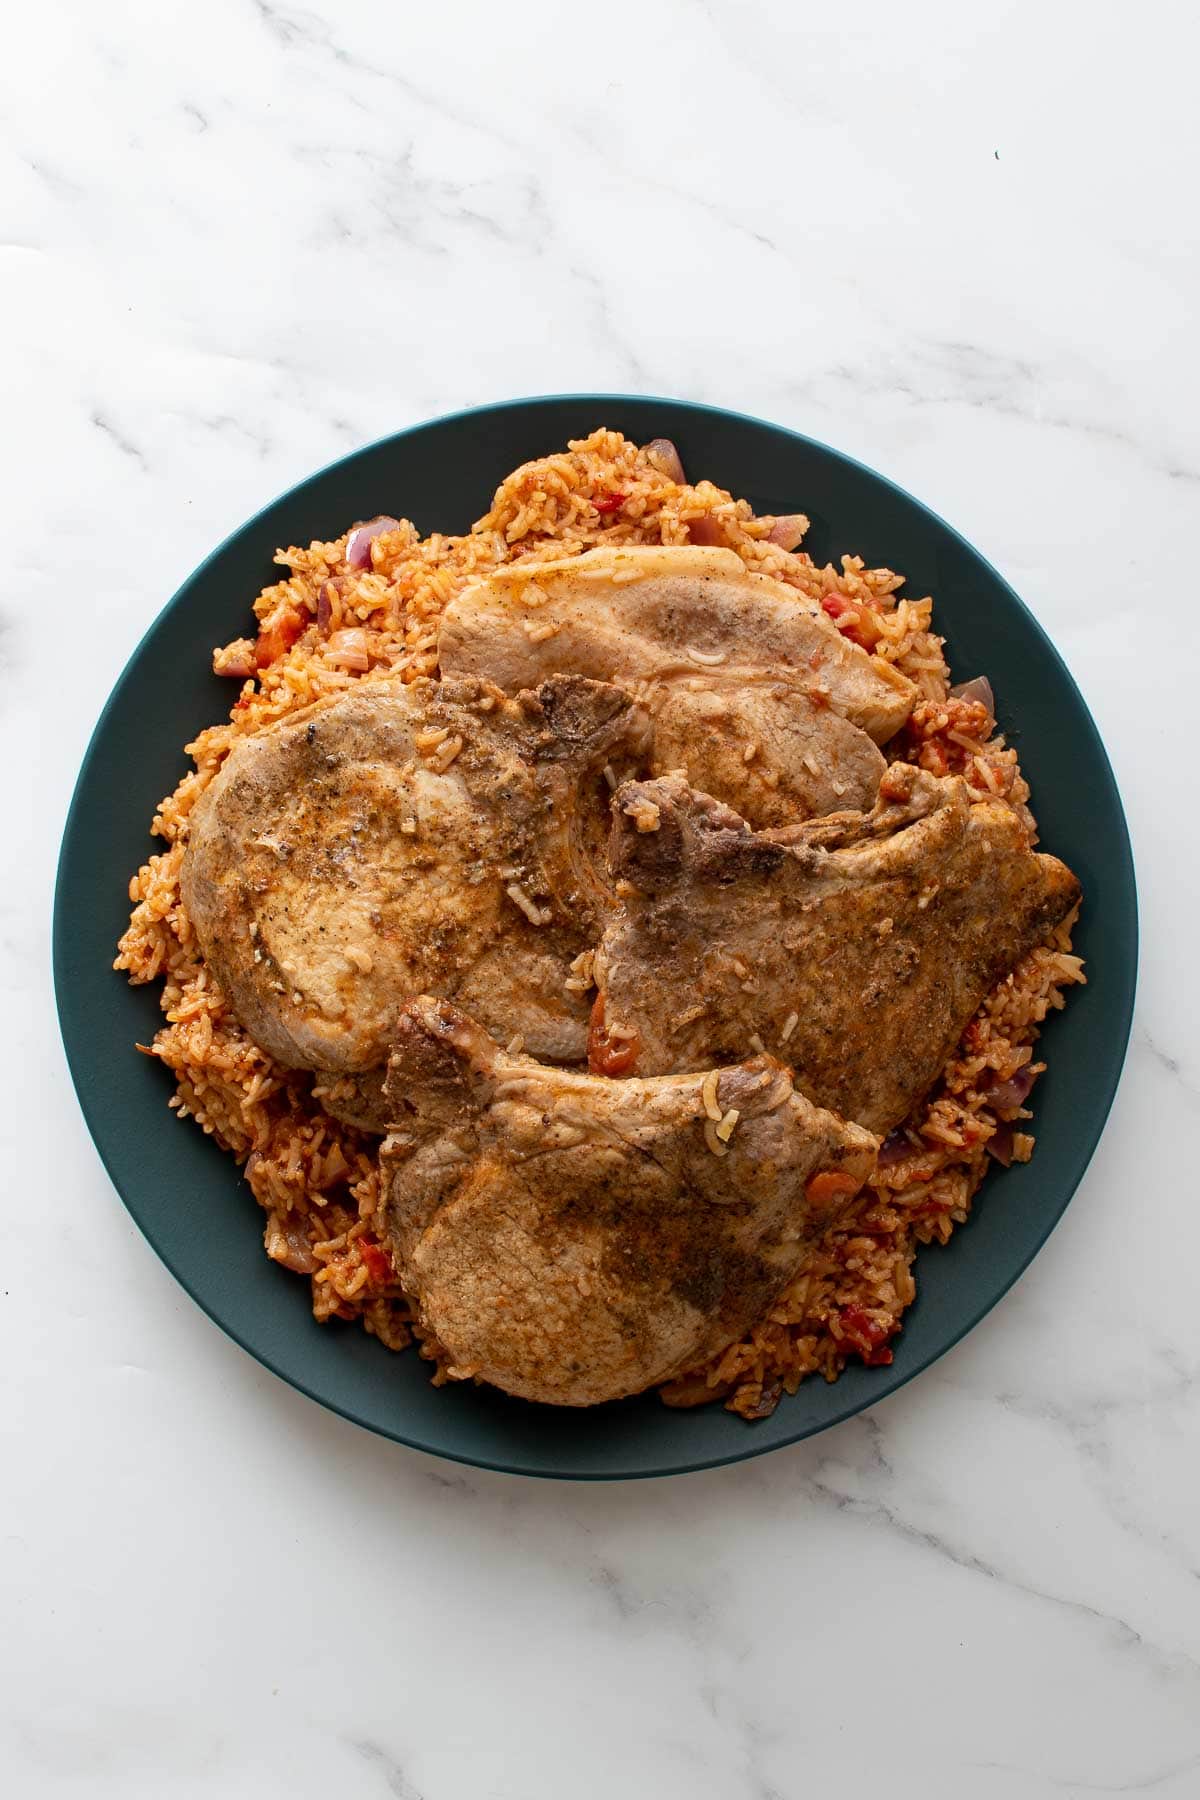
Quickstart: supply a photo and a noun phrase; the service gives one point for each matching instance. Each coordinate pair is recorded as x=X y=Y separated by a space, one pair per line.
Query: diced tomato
x=376 y=1261
x=860 y=1324
x=895 y=785
x=867 y=1335
x=277 y=638
x=855 y=621
x=829 y=1184
x=866 y=630
x=608 y=503
x=607 y=1055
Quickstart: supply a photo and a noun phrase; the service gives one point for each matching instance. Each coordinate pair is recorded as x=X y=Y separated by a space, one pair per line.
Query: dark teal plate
x=188 y=1197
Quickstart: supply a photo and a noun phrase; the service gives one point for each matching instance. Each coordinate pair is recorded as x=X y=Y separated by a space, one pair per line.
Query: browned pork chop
x=398 y=840
x=572 y=1239
x=856 y=947
x=755 y=693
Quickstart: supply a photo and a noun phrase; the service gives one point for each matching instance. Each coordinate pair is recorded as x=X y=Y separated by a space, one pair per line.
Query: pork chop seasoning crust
x=572 y=1239
x=857 y=946
x=432 y=838
x=753 y=690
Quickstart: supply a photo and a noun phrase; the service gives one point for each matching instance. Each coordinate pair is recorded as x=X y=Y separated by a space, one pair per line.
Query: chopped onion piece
x=349 y=648
x=980 y=691
x=894 y=1148
x=788 y=530
x=768 y=1399
x=358 y=544
x=1008 y=1095
x=236 y=659
x=1000 y=1145
x=665 y=457
x=286 y=1241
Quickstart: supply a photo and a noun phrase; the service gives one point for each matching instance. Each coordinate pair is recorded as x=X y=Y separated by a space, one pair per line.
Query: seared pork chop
x=856 y=947
x=401 y=840
x=754 y=692
x=572 y=1239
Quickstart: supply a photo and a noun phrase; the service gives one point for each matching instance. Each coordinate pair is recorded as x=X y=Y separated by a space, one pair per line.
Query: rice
x=324 y=625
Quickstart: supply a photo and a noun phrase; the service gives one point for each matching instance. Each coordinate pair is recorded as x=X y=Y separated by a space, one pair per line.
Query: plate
x=188 y=1197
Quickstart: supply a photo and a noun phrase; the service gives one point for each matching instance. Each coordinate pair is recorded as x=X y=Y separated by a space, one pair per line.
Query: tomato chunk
x=829 y=1184
x=376 y=1261
x=608 y=1055
x=867 y=1335
x=277 y=638
x=856 y=620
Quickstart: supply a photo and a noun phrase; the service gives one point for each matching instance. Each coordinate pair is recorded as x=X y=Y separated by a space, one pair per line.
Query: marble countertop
x=959 y=243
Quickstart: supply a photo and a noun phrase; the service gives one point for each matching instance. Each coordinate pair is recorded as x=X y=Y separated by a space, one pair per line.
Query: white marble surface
x=959 y=242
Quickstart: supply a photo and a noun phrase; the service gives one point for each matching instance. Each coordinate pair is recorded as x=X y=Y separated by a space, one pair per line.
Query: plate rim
x=889 y=1382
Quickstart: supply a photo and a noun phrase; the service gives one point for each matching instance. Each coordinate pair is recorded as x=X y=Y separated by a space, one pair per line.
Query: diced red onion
x=1008 y=1095
x=705 y=531
x=1000 y=1145
x=236 y=660
x=894 y=1148
x=350 y=649
x=324 y=606
x=665 y=457
x=358 y=544
x=788 y=530
x=766 y=1403
x=292 y=1248
x=979 y=691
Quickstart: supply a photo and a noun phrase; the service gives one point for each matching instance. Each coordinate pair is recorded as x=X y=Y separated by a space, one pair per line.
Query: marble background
x=958 y=242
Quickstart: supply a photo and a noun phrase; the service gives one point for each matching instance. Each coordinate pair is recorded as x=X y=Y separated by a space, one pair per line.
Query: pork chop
x=400 y=840
x=572 y=1239
x=857 y=946
x=755 y=693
